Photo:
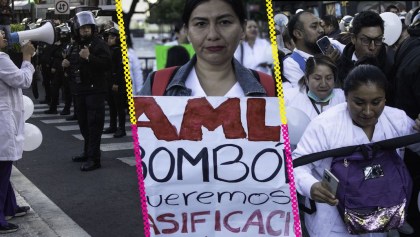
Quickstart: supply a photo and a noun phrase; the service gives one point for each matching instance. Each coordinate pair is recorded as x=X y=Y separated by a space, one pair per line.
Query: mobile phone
x=331 y=181
x=324 y=44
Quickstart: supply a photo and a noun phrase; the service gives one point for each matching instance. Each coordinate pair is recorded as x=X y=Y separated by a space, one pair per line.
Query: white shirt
x=295 y=98
x=193 y=83
x=136 y=72
x=261 y=52
x=291 y=69
x=333 y=129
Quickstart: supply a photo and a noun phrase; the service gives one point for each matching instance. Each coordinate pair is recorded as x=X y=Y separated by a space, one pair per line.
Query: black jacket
x=385 y=63
x=407 y=77
x=89 y=76
x=117 y=72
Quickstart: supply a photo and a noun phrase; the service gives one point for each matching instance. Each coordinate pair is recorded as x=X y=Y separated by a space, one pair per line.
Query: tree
x=168 y=11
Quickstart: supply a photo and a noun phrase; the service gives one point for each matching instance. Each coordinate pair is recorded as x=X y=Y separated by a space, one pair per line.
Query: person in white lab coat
x=12 y=80
x=316 y=92
x=254 y=52
x=364 y=118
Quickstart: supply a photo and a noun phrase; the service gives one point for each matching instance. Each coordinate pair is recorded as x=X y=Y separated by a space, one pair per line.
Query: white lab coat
x=333 y=129
x=252 y=57
x=12 y=121
x=295 y=98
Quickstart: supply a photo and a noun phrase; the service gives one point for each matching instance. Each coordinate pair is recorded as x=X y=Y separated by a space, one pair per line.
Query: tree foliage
x=170 y=11
x=166 y=12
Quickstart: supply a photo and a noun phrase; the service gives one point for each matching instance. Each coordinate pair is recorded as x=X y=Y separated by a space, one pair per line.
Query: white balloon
x=393 y=27
x=33 y=137
x=297 y=121
x=28 y=107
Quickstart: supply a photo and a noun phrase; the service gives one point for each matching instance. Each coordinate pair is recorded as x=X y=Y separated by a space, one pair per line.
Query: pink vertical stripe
x=142 y=189
x=289 y=163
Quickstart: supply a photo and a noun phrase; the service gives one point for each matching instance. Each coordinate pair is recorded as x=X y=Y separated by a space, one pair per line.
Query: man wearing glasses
x=367 y=41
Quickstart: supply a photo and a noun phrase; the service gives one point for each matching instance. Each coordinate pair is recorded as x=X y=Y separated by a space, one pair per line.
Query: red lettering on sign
x=270 y=230
x=257 y=130
x=199 y=112
x=227 y=225
x=259 y=223
x=153 y=225
x=162 y=218
x=158 y=121
x=193 y=220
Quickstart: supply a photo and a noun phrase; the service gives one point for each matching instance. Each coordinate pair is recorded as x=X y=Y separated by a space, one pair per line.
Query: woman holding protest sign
x=363 y=119
x=12 y=80
x=316 y=92
x=214 y=28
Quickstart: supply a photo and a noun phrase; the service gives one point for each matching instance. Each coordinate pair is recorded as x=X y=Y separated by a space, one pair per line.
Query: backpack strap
x=387 y=144
x=300 y=60
x=161 y=79
x=242 y=52
x=266 y=81
x=398 y=142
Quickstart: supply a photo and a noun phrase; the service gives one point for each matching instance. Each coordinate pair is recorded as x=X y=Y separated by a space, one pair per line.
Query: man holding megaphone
x=86 y=63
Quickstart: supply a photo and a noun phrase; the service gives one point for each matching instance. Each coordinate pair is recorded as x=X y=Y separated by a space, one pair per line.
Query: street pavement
x=67 y=202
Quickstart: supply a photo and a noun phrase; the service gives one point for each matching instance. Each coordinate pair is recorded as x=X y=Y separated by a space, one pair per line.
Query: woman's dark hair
x=177 y=56
x=331 y=20
x=344 y=38
x=362 y=75
x=311 y=64
x=388 y=8
x=237 y=6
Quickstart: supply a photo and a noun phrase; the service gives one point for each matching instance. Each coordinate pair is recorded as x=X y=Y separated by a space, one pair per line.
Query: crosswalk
x=108 y=142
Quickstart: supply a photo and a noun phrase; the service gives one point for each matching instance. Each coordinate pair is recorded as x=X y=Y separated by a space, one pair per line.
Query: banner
x=214 y=166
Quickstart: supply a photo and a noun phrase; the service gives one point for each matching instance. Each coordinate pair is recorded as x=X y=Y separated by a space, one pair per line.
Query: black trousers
x=56 y=84
x=68 y=97
x=46 y=82
x=90 y=116
x=117 y=102
x=7 y=195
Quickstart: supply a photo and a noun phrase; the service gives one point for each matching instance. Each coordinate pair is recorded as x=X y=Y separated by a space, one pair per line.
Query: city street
x=104 y=202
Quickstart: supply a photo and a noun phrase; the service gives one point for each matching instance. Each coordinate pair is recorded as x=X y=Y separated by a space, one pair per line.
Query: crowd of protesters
x=340 y=79
x=374 y=79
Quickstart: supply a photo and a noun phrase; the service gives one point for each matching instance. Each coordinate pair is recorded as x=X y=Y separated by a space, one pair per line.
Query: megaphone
x=45 y=33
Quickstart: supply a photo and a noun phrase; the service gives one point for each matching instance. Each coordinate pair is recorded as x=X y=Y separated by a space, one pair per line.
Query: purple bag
x=374 y=189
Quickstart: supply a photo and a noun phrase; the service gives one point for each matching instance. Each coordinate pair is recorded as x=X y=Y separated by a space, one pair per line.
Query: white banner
x=214 y=166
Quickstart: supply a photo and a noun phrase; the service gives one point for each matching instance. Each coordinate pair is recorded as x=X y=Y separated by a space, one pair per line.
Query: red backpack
x=164 y=76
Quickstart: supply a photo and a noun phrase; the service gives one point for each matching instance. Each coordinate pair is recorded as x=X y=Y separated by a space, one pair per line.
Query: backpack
x=374 y=184
x=374 y=190
x=162 y=78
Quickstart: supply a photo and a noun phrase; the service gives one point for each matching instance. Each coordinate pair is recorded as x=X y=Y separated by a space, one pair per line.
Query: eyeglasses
x=366 y=41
